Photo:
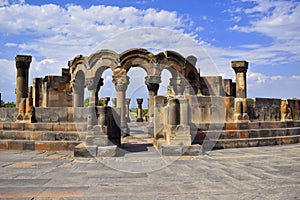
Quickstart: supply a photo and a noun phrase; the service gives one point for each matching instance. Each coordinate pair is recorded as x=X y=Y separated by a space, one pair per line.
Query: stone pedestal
x=128 y=110
x=240 y=68
x=140 y=110
x=22 y=65
x=240 y=109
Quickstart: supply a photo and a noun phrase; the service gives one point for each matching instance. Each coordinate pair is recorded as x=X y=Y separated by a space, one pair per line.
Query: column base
x=89 y=151
x=139 y=120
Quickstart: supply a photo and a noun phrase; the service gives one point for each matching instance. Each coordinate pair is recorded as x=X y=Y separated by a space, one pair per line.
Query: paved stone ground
x=141 y=173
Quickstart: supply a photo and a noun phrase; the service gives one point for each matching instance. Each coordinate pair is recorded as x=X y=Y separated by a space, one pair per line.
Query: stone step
x=43 y=135
x=240 y=134
x=251 y=142
x=38 y=145
x=43 y=126
x=247 y=125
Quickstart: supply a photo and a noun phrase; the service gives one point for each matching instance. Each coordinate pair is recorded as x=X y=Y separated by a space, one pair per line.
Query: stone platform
x=247 y=173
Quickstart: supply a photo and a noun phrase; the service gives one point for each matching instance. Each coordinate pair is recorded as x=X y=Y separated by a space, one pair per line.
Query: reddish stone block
x=3 y=145
x=243 y=134
x=59 y=127
x=43 y=127
x=58 y=146
x=253 y=125
x=231 y=126
x=71 y=127
x=1 y=126
x=42 y=146
x=36 y=136
x=17 y=126
x=71 y=145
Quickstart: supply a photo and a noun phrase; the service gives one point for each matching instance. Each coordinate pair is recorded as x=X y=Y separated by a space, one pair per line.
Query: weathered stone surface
x=107 y=151
x=86 y=151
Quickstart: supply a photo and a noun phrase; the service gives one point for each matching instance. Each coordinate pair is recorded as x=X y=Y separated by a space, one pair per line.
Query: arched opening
x=137 y=89
x=164 y=86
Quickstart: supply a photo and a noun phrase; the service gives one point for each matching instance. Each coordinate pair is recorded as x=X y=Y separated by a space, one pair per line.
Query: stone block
x=267 y=141
x=242 y=143
x=226 y=144
x=66 y=136
x=264 y=133
x=9 y=134
x=86 y=151
x=1 y=126
x=28 y=145
x=253 y=125
x=42 y=146
x=48 y=136
x=15 y=145
x=17 y=126
x=43 y=127
x=253 y=133
x=243 y=134
x=253 y=142
x=35 y=135
x=231 y=126
x=71 y=127
x=59 y=127
x=58 y=146
x=71 y=145
x=3 y=145
x=232 y=135
x=6 y=126
x=170 y=150
x=29 y=127
x=107 y=151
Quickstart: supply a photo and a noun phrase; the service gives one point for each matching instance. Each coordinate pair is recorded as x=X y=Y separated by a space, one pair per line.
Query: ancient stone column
x=240 y=68
x=22 y=65
x=184 y=115
x=140 y=110
x=152 y=83
x=105 y=100
x=121 y=84
x=92 y=115
x=127 y=109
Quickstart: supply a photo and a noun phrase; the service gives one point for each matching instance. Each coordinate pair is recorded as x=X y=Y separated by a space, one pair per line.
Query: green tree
x=2 y=103
x=10 y=104
x=87 y=101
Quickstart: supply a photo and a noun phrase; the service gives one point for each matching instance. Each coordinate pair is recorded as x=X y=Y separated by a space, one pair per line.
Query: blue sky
x=263 y=32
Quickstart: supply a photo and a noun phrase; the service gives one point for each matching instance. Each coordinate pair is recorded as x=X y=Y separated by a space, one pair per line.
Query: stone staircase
x=41 y=136
x=247 y=134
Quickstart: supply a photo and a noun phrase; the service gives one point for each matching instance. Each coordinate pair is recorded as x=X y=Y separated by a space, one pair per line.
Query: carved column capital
x=240 y=66
x=92 y=83
x=121 y=83
x=152 y=82
x=23 y=61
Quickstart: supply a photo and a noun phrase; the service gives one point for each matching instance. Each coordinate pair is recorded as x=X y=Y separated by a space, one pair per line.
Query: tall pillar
x=22 y=65
x=140 y=110
x=121 y=84
x=127 y=109
x=152 y=83
x=92 y=115
x=240 y=68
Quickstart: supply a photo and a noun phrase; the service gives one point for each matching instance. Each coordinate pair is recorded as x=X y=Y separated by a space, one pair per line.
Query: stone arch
x=103 y=59
x=138 y=57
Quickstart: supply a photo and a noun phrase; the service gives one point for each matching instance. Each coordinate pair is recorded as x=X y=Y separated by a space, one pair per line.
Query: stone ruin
x=198 y=114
